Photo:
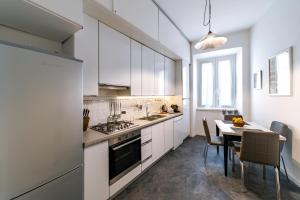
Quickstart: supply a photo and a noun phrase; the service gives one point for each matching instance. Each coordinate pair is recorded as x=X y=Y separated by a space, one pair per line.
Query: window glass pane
x=207 y=85
x=225 y=83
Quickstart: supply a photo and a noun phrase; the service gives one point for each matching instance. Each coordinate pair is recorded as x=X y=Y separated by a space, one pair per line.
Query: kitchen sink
x=152 y=117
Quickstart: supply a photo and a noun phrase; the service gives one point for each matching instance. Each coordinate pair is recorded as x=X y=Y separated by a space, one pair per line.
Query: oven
x=124 y=155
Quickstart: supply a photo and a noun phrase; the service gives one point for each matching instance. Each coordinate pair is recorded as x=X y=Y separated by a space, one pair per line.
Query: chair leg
x=287 y=177
x=233 y=161
x=205 y=154
x=242 y=172
x=264 y=172
x=277 y=183
x=204 y=149
x=229 y=152
x=243 y=168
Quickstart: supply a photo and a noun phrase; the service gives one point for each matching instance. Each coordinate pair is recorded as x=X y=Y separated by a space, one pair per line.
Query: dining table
x=231 y=133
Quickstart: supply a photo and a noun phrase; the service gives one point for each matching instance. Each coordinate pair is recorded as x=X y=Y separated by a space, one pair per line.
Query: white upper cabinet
x=136 y=68
x=185 y=80
x=114 y=57
x=170 y=80
x=106 y=3
x=48 y=19
x=148 y=65
x=141 y=13
x=159 y=78
x=69 y=9
x=171 y=37
x=86 y=49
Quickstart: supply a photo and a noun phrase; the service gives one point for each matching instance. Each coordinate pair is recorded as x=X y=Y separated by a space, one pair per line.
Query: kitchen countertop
x=92 y=137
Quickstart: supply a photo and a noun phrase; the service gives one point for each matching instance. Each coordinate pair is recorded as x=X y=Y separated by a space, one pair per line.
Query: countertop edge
x=92 y=137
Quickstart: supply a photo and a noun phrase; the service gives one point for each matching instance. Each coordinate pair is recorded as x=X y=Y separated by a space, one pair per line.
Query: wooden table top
x=228 y=129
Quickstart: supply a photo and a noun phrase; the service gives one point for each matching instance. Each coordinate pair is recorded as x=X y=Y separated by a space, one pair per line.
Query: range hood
x=113 y=87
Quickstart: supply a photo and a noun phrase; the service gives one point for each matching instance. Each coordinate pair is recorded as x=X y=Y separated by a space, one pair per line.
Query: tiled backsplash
x=99 y=108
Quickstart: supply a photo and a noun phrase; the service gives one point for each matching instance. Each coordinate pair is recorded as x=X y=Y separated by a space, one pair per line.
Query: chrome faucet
x=147 y=111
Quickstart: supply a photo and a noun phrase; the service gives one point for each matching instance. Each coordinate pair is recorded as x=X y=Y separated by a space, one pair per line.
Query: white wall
x=276 y=31
x=239 y=40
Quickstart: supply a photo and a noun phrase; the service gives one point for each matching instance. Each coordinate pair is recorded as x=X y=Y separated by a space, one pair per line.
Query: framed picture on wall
x=280 y=73
x=257 y=80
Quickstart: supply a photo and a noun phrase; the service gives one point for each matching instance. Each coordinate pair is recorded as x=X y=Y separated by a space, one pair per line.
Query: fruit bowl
x=239 y=124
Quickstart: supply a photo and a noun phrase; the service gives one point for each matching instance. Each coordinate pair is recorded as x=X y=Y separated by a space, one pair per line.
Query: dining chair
x=282 y=129
x=211 y=140
x=229 y=117
x=261 y=148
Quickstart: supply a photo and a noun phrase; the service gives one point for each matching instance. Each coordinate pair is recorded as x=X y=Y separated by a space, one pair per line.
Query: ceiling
x=227 y=15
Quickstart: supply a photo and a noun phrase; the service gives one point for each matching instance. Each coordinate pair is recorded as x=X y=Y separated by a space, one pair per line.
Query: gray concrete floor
x=182 y=174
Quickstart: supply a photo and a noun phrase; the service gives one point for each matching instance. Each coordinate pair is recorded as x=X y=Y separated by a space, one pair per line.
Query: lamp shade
x=210 y=41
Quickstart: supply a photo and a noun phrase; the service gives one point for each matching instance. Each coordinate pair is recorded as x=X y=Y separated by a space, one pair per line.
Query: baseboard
x=291 y=177
x=201 y=134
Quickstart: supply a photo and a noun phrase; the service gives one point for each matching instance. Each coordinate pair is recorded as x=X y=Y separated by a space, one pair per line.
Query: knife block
x=86 y=121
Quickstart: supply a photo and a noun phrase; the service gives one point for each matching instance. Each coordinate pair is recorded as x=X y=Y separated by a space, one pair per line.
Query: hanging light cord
x=205 y=22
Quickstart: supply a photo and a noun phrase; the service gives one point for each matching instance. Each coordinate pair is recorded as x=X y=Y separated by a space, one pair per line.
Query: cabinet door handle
x=147 y=142
x=127 y=143
x=146 y=159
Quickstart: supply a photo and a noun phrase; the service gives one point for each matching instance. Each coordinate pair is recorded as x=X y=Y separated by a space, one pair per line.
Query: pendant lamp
x=209 y=41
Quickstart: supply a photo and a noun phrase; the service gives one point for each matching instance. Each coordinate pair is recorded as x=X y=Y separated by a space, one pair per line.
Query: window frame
x=216 y=90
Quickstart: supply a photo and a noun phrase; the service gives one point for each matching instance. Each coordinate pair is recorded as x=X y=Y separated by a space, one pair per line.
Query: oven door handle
x=127 y=143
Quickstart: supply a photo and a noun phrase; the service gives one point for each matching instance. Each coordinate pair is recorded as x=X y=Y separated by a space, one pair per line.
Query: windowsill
x=213 y=109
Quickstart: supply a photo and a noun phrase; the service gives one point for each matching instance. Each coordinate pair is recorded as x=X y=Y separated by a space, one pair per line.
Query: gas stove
x=113 y=127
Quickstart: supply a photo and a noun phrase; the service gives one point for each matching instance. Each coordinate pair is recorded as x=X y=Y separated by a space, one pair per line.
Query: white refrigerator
x=182 y=123
x=186 y=98
x=41 y=154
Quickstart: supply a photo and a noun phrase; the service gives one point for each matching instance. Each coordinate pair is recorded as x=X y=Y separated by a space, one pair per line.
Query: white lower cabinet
x=146 y=134
x=114 y=188
x=146 y=148
x=96 y=172
x=147 y=163
x=178 y=131
x=169 y=133
x=158 y=141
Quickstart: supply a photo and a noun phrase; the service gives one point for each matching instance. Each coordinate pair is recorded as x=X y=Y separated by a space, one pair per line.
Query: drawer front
x=146 y=135
x=146 y=150
x=147 y=163
x=117 y=186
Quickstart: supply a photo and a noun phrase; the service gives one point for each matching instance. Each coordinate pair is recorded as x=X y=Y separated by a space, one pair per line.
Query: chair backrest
x=206 y=130
x=260 y=147
x=229 y=117
x=280 y=128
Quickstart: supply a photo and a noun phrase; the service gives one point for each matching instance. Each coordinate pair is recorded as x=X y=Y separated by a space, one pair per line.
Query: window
x=217 y=82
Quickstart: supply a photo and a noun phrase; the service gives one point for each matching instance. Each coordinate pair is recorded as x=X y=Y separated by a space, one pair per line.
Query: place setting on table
x=232 y=130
